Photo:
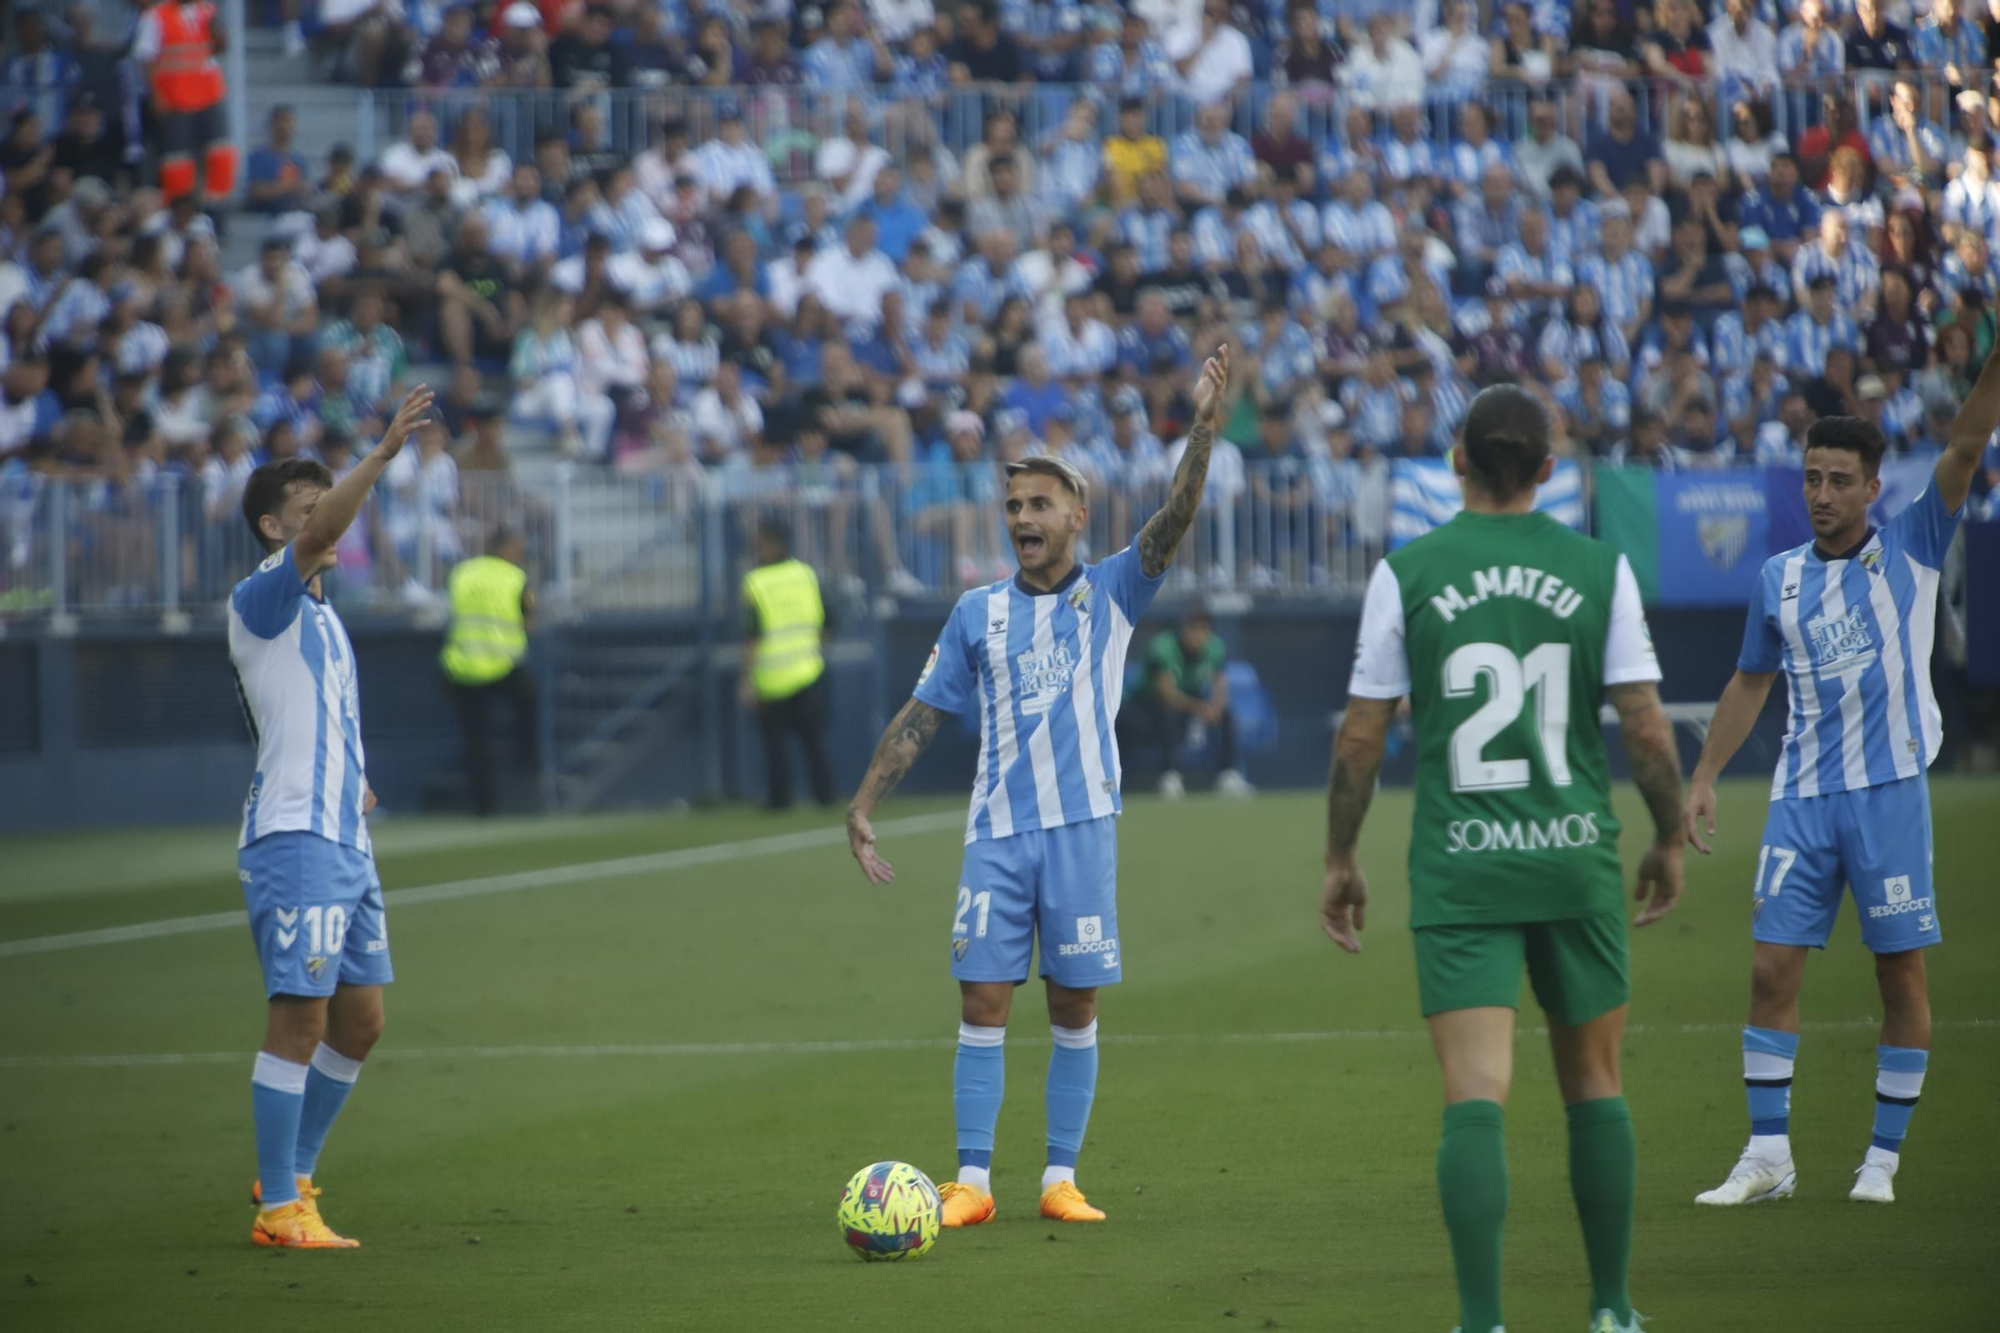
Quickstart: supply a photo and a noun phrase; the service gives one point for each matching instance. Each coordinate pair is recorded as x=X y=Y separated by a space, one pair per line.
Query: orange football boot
x=1064 y=1202
x=297 y=1226
x=965 y=1205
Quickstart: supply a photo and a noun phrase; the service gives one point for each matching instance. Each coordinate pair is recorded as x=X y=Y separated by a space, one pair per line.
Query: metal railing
x=168 y=546
x=789 y=123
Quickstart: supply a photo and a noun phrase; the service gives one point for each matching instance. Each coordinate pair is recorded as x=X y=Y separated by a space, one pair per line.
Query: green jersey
x=1504 y=630
x=1192 y=676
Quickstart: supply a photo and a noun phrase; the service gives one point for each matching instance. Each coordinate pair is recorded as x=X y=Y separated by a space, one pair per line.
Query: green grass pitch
x=630 y=1098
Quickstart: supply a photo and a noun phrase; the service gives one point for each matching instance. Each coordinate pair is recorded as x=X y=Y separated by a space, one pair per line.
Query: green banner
x=1627 y=518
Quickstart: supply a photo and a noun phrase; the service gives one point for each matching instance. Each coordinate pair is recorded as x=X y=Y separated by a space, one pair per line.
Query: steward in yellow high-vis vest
x=784 y=669
x=485 y=657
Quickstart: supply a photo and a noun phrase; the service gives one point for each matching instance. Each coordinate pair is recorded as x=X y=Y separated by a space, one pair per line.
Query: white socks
x=1056 y=1174
x=979 y=1177
x=1772 y=1147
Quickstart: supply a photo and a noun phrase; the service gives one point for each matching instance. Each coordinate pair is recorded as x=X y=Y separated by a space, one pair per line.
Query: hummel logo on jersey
x=1790 y=593
x=998 y=627
x=288 y=922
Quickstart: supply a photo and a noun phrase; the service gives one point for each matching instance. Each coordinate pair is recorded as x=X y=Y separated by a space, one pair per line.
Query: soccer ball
x=890 y=1211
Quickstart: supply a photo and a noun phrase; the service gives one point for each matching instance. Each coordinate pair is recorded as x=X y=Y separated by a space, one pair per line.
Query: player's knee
x=1901 y=977
x=1774 y=979
x=1072 y=1008
x=986 y=1006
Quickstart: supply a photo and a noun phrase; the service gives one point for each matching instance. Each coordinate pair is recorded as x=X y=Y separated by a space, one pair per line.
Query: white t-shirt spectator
x=1459 y=58
x=719 y=428
x=407 y=169
x=650 y=285
x=324 y=257
x=1750 y=57
x=1220 y=64
x=491 y=182
x=423 y=500
x=788 y=284
x=294 y=289
x=857 y=164
x=852 y=288
x=1395 y=78
x=895 y=20
x=607 y=362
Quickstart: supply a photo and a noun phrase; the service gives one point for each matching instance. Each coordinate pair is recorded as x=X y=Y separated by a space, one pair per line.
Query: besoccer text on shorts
x=1849 y=618
x=1041 y=657
x=1507 y=632
x=308 y=873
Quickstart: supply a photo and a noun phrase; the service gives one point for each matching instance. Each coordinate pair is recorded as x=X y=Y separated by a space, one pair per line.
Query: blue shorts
x=1063 y=881
x=316 y=914
x=1876 y=840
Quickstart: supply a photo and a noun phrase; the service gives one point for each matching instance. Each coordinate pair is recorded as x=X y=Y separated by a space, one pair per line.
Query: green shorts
x=1579 y=968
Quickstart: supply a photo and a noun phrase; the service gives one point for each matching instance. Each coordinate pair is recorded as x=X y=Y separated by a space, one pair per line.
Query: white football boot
x=1754 y=1179
x=1875 y=1178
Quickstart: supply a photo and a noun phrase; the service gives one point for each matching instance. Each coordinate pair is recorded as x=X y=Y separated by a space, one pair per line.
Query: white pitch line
x=651 y=863
x=654 y=1051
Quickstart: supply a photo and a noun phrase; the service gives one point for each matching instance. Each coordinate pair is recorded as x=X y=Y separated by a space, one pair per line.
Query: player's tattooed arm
x=1656 y=768
x=1357 y=758
x=1649 y=745
x=908 y=736
x=1161 y=536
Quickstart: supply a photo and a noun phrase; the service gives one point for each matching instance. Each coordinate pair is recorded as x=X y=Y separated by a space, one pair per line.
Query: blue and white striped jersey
x=295 y=676
x=1046 y=672
x=1853 y=637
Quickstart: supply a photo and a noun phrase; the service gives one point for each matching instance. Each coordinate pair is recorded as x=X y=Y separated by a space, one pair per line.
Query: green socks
x=1472 y=1183
x=1603 y=1167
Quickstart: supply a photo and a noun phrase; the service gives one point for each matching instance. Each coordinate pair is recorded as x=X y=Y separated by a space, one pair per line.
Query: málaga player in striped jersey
x=308 y=875
x=1041 y=656
x=1849 y=618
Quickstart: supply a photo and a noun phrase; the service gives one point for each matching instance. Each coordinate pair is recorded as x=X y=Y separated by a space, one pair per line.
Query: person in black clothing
x=982 y=53
x=479 y=308
x=1875 y=43
x=86 y=147
x=582 y=56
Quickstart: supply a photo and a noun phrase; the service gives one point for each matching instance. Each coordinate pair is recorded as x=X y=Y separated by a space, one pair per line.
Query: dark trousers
x=1167 y=728
x=805 y=714
x=475 y=722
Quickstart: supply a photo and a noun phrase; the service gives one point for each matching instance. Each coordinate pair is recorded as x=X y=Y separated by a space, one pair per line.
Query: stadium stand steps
x=618 y=708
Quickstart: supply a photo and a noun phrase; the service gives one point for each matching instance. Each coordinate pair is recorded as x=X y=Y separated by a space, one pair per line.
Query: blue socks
x=978 y=1082
x=1768 y=1057
x=277 y=1100
x=1899 y=1080
x=328 y=1082
x=1072 y=1086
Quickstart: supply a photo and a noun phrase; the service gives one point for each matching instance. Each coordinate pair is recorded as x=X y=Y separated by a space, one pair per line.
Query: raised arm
x=907 y=737
x=333 y=513
x=1656 y=770
x=1735 y=713
x=1971 y=429
x=1161 y=536
x=1350 y=786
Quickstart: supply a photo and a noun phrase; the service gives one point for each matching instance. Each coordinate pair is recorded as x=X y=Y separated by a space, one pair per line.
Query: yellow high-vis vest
x=790 y=617
x=488 y=632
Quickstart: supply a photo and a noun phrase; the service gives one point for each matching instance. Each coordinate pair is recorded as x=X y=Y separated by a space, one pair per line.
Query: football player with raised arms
x=1849 y=618
x=1041 y=657
x=1507 y=632
x=304 y=858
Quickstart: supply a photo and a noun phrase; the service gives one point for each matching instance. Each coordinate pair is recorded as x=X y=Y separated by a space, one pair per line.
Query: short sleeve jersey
x=1505 y=630
x=1853 y=637
x=1045 y=672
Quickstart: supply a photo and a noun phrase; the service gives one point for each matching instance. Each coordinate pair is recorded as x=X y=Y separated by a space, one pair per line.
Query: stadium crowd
x=1005 y=230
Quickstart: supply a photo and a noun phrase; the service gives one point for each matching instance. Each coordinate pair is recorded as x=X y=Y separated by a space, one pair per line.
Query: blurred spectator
x=1455 y=56
x=1385 y=71
x=1809 y=49
x=1544 y=150
x=459 y=56
x=479 y=306
x=1874 y=43
x=408 y=165
x=275 y=298
x=1211 y=56
x=1622 y=152
x=580 y=56
x=276 y=175
x=981 y=53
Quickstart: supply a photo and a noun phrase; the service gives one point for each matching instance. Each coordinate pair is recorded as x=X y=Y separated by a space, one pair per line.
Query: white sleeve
x=1628 y=645
x=146 y=41
x=1381 y=659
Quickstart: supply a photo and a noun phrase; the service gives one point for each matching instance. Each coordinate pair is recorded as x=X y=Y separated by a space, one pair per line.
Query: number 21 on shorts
x=967 y=901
